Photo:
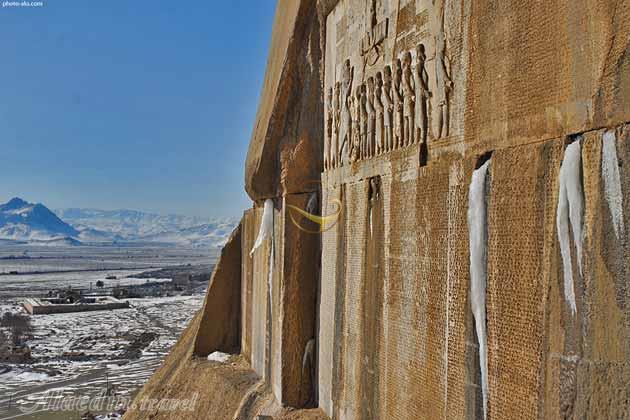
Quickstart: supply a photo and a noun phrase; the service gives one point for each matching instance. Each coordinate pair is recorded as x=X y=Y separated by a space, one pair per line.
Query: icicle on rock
x=270 y=264
x=478 y=240
x=612 y=182
x=570 y=210
x=266 y=231
x=266 y=227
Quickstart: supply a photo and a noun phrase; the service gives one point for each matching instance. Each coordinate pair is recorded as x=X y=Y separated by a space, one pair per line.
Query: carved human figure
x=349 y=141
x=375 y=190
x=423 y=94
x=354 y=116
x=337 y=121
x=371 y=117
x=388 y=103
x=444 y=87
x=372 y=16
x=379 y=110
x=355 y=107
x=409 y=94
x=363 y=118
x=398 y=105
x=328 y=144
x=345 y=131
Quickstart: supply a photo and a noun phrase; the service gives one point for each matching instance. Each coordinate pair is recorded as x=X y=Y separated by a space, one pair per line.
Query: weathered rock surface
x=182 y=376
x=388 y=302
x=285 y=152
x=230 y=390
x=220 y=325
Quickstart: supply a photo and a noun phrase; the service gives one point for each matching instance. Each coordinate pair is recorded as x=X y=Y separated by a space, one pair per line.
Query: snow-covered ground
x=43 y=268
x=80 y=354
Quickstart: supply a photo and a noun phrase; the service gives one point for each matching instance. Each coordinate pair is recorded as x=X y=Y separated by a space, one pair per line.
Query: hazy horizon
x=4 y=200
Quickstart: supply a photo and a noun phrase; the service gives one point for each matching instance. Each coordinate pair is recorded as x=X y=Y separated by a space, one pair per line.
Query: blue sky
x=131 y=104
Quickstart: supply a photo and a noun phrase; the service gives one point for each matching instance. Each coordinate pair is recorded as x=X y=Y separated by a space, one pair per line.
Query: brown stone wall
x=543 y=362
x=425 y=289
x=350 y=361
x=404 y=340
x=248 y=236
x=395 y=334
x=521 y=236
x=330 y=288
x=461 y=381
x=220 y=325
x=285 y=151
x=521 y=72
x=526 y=77
x=275 y=327
x=399 y=331
x=543 y=70
x=588 y=354
x=297 y=299
x=279 y=322
x=260 y=317
x=261 y=332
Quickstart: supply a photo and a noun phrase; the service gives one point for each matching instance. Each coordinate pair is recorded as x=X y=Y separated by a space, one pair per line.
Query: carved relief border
x=388 y=78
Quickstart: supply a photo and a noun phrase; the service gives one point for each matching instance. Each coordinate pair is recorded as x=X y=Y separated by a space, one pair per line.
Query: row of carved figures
x=388 y=111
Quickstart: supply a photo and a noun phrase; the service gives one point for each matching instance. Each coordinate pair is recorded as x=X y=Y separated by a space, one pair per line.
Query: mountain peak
x=20 y=219
x=24 y=221
x=14 y=203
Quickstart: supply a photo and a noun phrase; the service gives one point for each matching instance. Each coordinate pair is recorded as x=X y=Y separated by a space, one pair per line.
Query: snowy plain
x=83 y=354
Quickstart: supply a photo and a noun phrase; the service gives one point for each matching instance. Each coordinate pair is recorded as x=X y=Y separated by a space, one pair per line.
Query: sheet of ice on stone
x=478 y=239
x=570 y=212
x=266 y=232
x=612 y=182
x=266 y=226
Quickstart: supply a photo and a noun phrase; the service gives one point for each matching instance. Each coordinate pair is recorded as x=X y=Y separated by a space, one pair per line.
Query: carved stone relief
x=421 y=85
x=371 y=115
x=444 y=88
x=330 y=138
x=380 y=98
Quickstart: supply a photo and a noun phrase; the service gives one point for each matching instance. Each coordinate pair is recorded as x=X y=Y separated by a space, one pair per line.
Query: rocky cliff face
x=420 y=293
x=285 y=153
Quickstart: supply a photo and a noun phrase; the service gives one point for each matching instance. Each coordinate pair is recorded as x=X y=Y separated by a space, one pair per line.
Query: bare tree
x=19 y=325
x=4 y=341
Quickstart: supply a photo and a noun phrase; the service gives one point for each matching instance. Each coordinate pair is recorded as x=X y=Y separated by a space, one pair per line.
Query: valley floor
x=91 y=354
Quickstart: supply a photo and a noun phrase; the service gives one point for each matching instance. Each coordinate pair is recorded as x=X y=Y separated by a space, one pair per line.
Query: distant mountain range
x=21 y=221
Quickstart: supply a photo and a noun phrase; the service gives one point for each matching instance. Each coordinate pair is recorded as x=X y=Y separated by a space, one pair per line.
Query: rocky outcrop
x=220 y=324
x=285 y=152
x=213 y=390
x=375 y=115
